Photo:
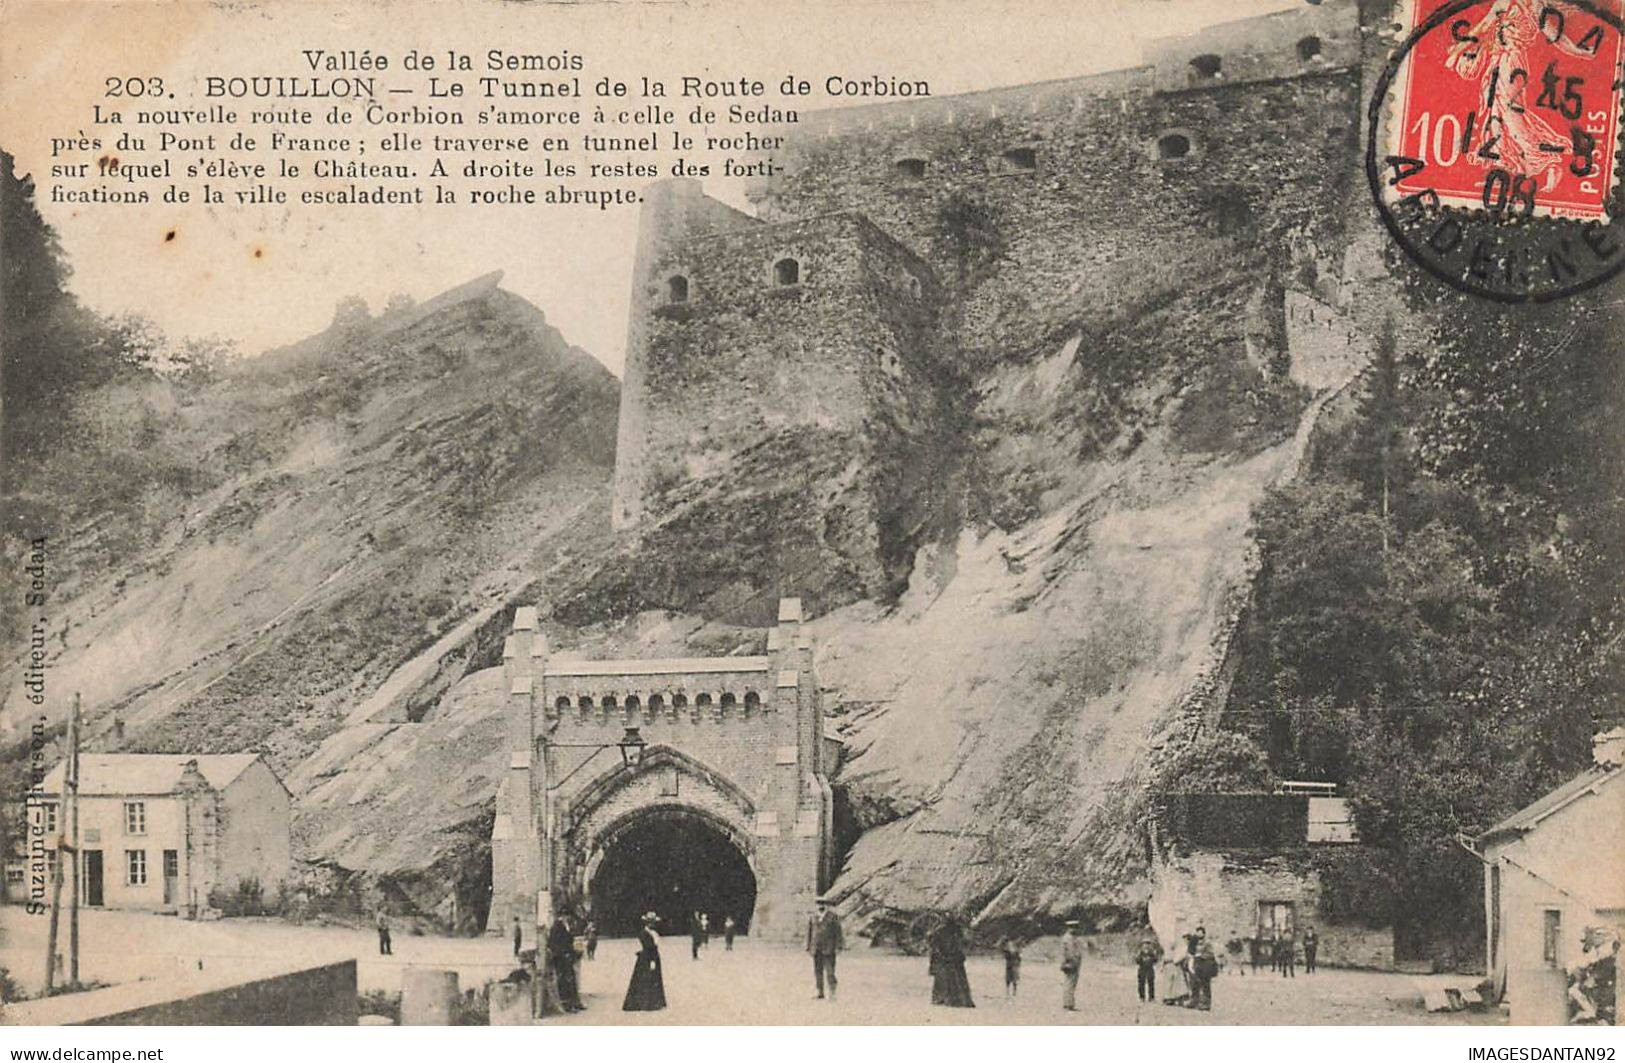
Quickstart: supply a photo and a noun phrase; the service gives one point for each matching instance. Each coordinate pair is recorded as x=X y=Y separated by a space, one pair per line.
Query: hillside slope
x=387 y=485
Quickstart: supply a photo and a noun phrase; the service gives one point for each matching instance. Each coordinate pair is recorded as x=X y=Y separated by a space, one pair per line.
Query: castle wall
x=1095 y=211
x=673 y=211
x=845 y=352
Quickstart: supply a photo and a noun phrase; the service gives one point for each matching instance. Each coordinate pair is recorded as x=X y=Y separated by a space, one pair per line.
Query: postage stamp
x=1494 y=143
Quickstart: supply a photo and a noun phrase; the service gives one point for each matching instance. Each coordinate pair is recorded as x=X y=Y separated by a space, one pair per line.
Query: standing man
x=1204 y=968
x=824 y=940
x=518 y=935
x=696 y=934
x=384 y=947
x=1071 y=964
x=729 y=929
x=561 y=953
x=1311 y=945
x=1287 y=956
x=1145 y=963
x=592 y=939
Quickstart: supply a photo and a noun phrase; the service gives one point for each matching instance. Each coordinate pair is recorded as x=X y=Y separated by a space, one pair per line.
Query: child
x=1010 y=948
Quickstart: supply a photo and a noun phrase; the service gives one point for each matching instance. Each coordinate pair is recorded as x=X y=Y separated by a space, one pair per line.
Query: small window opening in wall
x=632 y=704
x=679 y=701
x=1021 y=160
x=786 y=271
x=703 y=701
x=584 y=704
x=657 y=703
x=753 y=701
x=677 y=289
x=1308 y=48
x=562 y=704
x=728 y=702
x=1207 y=65
x=913 y=169
x=1173 y=146
x=607 y=703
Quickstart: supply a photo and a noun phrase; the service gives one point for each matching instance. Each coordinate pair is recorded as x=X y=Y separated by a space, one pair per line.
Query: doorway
x=93 y=878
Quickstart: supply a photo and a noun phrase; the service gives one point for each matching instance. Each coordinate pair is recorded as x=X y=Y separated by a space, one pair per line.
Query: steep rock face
x=1005 y=722
x=390 y=484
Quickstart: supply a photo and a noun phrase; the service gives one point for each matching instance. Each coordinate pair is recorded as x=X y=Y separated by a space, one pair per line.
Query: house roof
x=1530 y=816
x=104 y=774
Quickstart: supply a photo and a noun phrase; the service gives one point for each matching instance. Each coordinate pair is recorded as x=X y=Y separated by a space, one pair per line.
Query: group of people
x=699 y=932
x=1186 y=974
x=1280 y=949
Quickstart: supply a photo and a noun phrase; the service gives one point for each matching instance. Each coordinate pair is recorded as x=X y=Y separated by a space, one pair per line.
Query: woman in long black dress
x=647 y=990
x=949 y=985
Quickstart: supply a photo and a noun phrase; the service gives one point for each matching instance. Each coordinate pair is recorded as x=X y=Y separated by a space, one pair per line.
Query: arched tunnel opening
x=674 y=863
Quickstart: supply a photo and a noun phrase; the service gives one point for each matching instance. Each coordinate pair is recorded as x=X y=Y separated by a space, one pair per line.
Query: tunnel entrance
x=673 y=862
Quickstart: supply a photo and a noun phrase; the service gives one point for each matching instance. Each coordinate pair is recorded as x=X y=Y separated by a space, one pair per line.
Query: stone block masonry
x=734 y=744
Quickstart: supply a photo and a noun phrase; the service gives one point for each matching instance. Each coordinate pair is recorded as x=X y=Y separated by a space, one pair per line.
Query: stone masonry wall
x=1222 y=891
x=1264 y=169
x=841 y=361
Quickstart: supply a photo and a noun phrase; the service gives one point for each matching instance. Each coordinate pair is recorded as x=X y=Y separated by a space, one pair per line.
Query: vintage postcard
x=996 y=512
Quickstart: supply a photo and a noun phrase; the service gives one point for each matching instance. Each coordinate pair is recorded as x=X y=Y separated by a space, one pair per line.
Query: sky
x=262 y=276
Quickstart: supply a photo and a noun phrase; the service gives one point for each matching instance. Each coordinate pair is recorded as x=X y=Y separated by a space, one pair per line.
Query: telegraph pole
x=71 y=795
x=63 y=848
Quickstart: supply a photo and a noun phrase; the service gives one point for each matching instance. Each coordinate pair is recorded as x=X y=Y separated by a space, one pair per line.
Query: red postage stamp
x=1511 y=106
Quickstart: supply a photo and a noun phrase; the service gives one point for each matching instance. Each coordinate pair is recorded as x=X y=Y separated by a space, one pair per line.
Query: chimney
x=1608 y=748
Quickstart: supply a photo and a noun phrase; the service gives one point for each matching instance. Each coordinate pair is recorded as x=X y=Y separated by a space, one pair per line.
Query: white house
x=1552 y=871
x=160 y=831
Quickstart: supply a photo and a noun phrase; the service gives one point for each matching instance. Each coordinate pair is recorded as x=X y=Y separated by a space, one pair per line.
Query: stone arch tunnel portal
x=674 y=862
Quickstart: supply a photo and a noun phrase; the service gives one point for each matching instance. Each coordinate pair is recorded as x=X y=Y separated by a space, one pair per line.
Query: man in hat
x=1071 y=964
x=824 y=940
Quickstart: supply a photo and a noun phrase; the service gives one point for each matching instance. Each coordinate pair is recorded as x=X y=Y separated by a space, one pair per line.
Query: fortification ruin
x=904 y=242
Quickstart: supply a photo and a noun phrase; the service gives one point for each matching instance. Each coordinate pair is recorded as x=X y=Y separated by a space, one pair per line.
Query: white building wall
x=1571 y=863
x=102 y=828
x=254 y=837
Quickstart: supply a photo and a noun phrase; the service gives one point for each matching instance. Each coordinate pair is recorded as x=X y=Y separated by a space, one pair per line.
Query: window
x=562 y=704
x=657 y=704
x=1552 y=937
x=913 y=169
x=1173 y=146
x=668 y=783
x=679 y=702
x=47 y=816
x=753 y=701
x=1021 y=160
x=632 y=704
x=1308 y=48
x=1206 y=66
x=135 y=867
x=1276 y=918
x=172 y=863
x=786 y=272
x=677 y=289
x=135 y=817
x=728 y=702
x=607 y=703
x=584 y=703
x=703 y=701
